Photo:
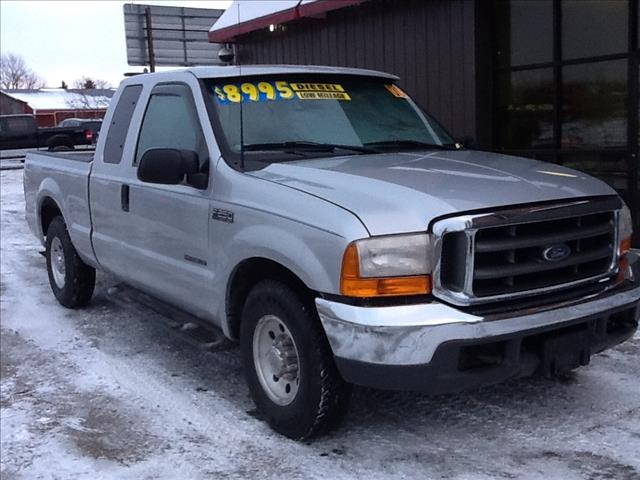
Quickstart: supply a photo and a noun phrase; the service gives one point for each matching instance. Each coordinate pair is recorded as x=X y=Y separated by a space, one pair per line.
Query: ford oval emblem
x=556 y=253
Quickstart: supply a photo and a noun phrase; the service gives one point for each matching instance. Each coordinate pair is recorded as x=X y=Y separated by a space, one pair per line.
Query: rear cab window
x=120 y=122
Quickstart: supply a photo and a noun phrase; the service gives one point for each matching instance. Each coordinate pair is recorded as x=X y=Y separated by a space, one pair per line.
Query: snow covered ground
x=112 y=392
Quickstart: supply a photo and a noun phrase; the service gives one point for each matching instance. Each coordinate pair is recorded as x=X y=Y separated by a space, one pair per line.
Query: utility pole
x=152 y=59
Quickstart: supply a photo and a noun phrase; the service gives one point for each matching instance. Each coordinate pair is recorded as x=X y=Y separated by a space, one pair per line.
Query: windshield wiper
x=413 y=144
x=297 y=146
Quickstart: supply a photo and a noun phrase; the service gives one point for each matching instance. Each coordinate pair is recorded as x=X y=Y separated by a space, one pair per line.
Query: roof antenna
x=239 y=63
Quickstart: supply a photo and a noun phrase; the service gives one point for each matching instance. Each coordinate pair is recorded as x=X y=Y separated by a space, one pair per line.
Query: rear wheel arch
x=48 y=210
x=247 y=275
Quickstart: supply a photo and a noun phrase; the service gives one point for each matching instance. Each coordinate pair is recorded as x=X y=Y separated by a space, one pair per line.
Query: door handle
x=124 y=198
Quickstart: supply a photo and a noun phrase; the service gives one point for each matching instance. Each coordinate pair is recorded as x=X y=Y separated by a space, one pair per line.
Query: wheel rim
x=276 y=360
x=56 y=259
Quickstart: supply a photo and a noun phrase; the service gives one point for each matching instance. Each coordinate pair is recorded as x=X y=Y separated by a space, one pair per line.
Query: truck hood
x=403 y=192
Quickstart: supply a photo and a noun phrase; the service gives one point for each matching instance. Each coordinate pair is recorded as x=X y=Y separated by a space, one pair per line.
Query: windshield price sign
x=277 y=90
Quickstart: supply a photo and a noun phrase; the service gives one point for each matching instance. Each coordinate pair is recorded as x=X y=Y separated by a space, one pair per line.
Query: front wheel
x=288 y=363
x=72 y=281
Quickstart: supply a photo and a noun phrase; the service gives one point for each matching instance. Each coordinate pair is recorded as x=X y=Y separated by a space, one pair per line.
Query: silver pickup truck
x=321 y=218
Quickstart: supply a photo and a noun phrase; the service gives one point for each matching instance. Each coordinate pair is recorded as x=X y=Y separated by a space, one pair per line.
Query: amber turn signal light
x=352 y=285
x=625 y=246
x=623 y=263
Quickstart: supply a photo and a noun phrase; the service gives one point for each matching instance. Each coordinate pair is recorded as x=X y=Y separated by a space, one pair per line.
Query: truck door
x=168 y=228
x=159 y=234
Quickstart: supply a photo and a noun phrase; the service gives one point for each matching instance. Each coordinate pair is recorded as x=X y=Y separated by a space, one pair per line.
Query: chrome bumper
x=410 y=335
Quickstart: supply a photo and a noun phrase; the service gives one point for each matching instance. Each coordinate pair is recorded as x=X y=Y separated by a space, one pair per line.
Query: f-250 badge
x=222 y=215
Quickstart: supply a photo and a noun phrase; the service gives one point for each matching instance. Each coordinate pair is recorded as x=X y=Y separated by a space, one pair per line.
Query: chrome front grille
x=512 y=258
x=522 y=252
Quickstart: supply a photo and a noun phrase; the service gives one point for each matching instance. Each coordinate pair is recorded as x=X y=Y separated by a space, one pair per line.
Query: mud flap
x=564 y=352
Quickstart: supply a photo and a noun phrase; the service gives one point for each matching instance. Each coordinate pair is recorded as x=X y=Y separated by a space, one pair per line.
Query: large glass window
x=594 y=113
x=566 y=89
x=526 y=109
x=594 y=27
x=520 y=22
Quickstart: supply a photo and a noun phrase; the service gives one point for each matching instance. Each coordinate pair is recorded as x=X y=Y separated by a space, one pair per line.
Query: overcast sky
x=66 y=40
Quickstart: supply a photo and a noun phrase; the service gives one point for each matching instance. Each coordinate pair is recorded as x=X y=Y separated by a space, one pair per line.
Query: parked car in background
x=318 y=216
x=21 y=131
x=91 y=125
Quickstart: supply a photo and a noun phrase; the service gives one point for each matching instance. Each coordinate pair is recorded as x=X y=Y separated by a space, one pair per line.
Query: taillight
x=88 y=135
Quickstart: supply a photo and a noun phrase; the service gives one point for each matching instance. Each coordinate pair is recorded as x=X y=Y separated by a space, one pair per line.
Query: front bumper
x=439 y=348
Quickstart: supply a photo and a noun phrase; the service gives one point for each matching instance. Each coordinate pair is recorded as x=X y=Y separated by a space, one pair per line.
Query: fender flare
x=48 y=190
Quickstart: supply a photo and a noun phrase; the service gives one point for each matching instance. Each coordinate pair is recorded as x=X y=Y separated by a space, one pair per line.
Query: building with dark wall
x=12 y=106
x=555 y=80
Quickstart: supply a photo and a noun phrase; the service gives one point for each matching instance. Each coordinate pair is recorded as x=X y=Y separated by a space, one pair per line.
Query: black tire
x=79 y=278
x=322 y=398
x=61 y=148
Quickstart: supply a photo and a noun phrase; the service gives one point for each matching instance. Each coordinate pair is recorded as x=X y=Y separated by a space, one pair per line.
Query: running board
x=193 y=330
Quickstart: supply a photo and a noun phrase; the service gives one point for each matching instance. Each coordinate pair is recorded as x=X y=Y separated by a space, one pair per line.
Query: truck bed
x=79 y=156
x=60 y=180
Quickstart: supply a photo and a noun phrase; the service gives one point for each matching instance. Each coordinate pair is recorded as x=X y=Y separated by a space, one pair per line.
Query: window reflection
x=594 y=109
x=594 y=27
x=608 y=166
x=596 y=101
x=526 y=109
x=518 y=23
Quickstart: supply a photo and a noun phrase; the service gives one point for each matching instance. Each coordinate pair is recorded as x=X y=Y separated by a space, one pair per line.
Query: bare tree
x=14 y=73
x=102 y=84
x=84 y=99
x=88 y=83
x=84 y=95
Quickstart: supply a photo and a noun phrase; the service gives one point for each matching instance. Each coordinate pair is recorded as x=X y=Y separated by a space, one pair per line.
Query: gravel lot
x=113 y=391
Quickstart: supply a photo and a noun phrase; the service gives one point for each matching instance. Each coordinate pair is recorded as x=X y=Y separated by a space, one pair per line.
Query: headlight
x=625 y=230
x=387 y=265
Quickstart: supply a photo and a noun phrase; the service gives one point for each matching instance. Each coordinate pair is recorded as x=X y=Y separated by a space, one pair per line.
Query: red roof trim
x=228 y=34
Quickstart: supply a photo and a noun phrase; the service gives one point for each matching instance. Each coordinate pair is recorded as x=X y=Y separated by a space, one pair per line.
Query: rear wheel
x=289 y=364
x=61 y=148
x=72 y=281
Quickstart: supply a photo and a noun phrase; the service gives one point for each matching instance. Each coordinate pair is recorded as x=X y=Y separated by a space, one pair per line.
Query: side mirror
x=167 y=166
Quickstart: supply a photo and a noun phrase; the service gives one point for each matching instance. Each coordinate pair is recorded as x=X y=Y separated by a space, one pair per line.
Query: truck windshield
x=289 y=117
